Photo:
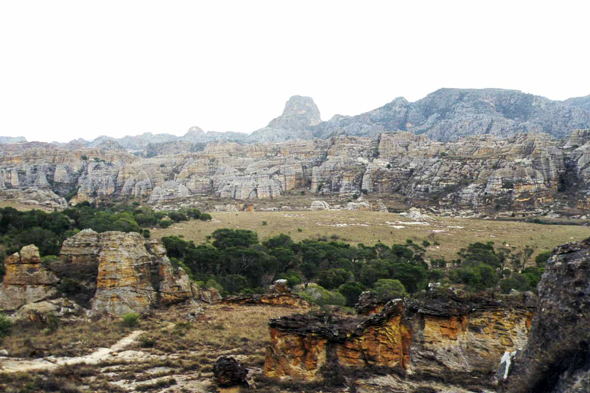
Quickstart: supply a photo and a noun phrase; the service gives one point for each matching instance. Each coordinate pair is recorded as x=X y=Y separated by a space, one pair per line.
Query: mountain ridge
x=446 y=114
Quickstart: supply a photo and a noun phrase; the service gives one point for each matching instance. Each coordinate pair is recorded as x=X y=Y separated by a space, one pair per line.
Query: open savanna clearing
x=355 y=227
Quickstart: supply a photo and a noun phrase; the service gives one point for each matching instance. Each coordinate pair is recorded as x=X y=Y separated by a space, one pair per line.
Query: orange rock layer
x=411 y=341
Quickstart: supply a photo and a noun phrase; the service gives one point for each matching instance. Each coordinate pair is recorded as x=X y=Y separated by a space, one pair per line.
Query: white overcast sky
x=71 y=69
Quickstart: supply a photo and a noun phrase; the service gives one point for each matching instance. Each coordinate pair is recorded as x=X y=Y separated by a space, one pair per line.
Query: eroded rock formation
x=444 y=337
x=522 y=172
x=26 y=280
x=556 y=357
x=111 y=273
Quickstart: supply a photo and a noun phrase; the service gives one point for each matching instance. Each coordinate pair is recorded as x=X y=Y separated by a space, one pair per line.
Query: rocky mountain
x=444 y=115
x=579 y=102
x=12 y=139
x=299 y=115
x=449 y=114
x=526 y=172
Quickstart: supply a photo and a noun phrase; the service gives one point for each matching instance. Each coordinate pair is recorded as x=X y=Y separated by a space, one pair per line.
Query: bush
x=211 y=283
x=130 y=319
x=5 y=326
x=165 y=223
x=292 y=278
x=542 y=258
x=390 y=289
x=205 y=217
x=322 y=297
x=264 y=223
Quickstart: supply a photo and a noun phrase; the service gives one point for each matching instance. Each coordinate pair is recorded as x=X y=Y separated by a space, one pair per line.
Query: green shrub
x=5 y=326
x=390 y=289
x=165 y=223
x=264 y=223
x=542 y=258
x=292 y=278
x=205 y=217
x=211 y=283
x=322 y=297
x=130 y=319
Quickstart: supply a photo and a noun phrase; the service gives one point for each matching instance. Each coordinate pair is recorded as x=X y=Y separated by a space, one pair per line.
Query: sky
x=80 y=69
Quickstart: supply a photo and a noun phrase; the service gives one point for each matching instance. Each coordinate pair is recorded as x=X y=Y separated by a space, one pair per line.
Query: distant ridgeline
x=490 y=149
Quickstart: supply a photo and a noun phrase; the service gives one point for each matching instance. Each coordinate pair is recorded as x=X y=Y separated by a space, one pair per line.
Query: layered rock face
x=522 y=172
x=458 y=340
x=26 y=280
x=113 y=273
x=557 y=355
x=134 y=275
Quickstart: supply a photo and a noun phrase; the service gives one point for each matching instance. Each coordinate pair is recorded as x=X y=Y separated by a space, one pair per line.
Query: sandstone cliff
x=111 y=273
x=457 y=340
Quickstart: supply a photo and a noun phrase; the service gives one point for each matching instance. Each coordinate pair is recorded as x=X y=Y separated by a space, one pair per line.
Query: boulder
x=319 y=205
x=280 y=287
x=210 y=296
x=40 y=312
x=227 y=372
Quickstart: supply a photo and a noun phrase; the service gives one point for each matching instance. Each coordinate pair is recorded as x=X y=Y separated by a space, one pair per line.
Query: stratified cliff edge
x=445 y=338
x=523 y=172
x=556 y=358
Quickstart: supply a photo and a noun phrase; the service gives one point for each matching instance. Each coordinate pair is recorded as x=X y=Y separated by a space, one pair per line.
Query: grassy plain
x=355 y=227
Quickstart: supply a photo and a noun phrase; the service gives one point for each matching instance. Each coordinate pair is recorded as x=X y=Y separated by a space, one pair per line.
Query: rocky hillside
x=449 y=114
x=12 y=139
x=525 y=172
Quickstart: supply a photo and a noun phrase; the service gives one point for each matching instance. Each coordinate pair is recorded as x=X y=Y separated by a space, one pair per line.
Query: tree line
x=48 y=230
x=235 y=261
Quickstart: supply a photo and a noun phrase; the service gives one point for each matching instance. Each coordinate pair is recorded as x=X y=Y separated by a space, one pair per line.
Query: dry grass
x=221 y=329
x=370 y=227
x=23 y=207
x=71 y=339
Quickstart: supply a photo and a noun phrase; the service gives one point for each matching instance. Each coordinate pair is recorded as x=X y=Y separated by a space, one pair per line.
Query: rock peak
x=300 y=112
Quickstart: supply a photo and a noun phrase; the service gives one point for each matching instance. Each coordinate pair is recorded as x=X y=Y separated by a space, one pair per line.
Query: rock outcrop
x=556 y=356
x=227 y=371
x=134 y=275
x=26 y=280
x=523 y=172
x=444 y=337
x=111 y=273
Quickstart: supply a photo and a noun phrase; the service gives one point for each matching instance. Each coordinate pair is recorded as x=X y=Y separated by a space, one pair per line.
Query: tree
x=225 y=238
x=333 y=278
x=351 y=292
x=202 y=259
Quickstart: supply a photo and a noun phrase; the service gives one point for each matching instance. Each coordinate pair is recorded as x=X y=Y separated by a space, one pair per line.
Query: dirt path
x=12 y=365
